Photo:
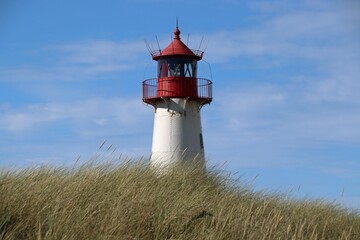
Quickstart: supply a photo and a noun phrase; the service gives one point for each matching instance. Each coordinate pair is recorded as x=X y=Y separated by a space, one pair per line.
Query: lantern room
x=177 y=75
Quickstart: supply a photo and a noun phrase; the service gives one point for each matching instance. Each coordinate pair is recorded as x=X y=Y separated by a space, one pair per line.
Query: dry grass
x=130 y=201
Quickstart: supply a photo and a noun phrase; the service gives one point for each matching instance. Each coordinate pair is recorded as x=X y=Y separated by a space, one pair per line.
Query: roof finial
x=177 y=31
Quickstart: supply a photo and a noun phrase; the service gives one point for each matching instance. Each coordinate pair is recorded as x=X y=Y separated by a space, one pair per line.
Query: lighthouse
x=177 y=96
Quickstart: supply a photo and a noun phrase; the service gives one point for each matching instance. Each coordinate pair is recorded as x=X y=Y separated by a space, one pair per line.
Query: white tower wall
x=177 y=135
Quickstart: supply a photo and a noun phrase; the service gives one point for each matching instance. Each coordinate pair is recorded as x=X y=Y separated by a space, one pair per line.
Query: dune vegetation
x=132 y=201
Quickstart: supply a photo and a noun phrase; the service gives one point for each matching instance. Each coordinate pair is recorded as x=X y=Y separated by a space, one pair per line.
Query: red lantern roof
x=177 y=48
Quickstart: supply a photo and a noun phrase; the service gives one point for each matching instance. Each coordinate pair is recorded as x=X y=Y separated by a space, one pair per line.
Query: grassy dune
x=130 y=201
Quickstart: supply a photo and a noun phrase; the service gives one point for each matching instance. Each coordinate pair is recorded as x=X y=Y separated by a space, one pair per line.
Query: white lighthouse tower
x=177 y=95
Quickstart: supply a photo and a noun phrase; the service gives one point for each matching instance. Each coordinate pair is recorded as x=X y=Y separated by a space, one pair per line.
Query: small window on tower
x=188 y=70
x=162 y=68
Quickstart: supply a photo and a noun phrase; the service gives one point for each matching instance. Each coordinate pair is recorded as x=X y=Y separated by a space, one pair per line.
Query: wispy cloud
x=71 y=129
x=79 y=61
x=105 y=113
x=255 y=121
x=306 y=34
x=102 y=52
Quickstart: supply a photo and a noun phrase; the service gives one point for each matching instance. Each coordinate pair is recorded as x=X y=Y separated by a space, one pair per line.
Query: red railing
x=203 y=91
x=149 y=88
x=204 y=87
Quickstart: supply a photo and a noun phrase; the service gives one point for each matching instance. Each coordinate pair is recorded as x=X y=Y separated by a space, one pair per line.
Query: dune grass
x=131 y=201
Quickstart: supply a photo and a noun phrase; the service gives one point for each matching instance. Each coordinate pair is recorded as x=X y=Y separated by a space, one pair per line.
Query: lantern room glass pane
x=177 y=67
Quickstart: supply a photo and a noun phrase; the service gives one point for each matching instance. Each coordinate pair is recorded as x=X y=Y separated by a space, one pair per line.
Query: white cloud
x=102 y=52
x=282 y=112
x=59 y=132
x=305 y=34
x=260 y=125
x=108 y=113
x=80 y=61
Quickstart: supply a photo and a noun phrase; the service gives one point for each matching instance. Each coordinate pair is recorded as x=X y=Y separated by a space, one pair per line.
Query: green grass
x=130 y=201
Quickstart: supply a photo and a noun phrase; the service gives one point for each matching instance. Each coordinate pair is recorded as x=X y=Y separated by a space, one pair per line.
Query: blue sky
x=286 y=85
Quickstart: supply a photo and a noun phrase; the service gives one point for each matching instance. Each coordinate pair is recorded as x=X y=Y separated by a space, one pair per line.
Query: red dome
x=177 y=48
